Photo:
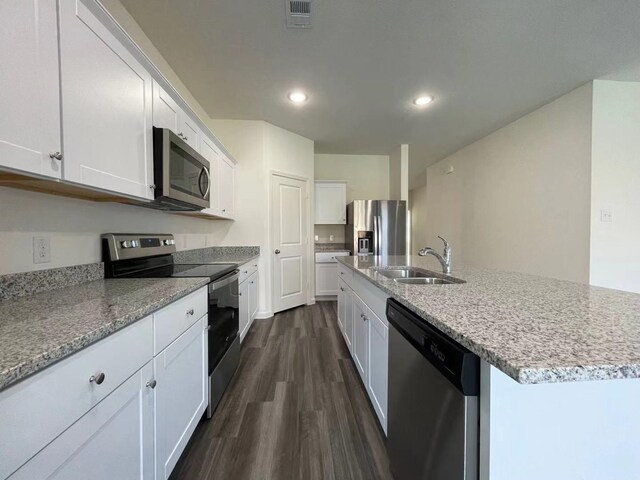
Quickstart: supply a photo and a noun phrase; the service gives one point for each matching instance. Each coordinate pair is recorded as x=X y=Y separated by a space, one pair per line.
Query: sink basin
x=423 y=281
x=404 y=272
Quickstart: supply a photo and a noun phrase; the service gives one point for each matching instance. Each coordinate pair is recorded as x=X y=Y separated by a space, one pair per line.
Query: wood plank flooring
x=296 y=409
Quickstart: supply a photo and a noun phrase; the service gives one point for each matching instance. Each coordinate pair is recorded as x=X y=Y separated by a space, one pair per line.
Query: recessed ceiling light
x=297 y=97
x=423 y=100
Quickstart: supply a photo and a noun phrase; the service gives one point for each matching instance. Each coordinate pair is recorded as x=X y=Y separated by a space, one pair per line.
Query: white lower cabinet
x=360 y=349
x=366 y=334
x=248 y=292
x=113 y=440
x=112 y=410
x=180 y=394
x=326 y=279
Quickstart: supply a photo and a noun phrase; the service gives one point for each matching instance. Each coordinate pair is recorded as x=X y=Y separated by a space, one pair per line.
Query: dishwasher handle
x=455 y=362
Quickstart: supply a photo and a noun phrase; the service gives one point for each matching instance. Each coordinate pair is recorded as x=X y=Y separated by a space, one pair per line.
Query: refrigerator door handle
x=380 y=235
x=375 y=235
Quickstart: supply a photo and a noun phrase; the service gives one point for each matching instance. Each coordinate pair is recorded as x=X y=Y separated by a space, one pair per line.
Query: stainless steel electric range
x=150 y=256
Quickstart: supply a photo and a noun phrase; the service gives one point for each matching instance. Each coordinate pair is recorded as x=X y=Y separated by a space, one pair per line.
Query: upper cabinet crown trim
x=99 y=10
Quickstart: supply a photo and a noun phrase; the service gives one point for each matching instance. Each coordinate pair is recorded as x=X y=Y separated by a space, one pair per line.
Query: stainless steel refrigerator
x=377 y=227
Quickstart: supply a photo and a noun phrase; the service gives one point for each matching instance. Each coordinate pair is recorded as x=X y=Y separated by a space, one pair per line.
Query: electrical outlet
x=41 y=250
x=331 y=237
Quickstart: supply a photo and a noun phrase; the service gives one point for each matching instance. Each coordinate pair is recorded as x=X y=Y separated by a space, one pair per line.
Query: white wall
x=399 y=173
x=519 y=199
x=615 y=185
x=367 y=176
x=418 y=212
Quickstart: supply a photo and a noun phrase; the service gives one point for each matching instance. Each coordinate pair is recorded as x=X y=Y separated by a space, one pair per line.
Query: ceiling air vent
x=298 y=13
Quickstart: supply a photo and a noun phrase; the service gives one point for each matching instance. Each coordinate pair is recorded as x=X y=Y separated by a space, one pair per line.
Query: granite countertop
x=38 y=330
x=218 y=255
x=331 y=247
x=534 y=329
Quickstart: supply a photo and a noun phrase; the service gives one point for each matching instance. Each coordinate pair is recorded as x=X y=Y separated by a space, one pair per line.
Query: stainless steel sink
x=404 y=272
x=423 y=281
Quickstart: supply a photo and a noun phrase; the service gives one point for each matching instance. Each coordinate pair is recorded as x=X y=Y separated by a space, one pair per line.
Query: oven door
x=223 y=317
x=181 y=174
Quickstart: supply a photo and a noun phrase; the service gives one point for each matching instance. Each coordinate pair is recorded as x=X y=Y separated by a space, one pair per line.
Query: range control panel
x=122 y=246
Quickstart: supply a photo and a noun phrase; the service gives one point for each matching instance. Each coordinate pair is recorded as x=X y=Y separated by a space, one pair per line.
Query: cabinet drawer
x=247 y=270
x=175 y=319
x=329 y=257
x=345 y=273
x=38 y=409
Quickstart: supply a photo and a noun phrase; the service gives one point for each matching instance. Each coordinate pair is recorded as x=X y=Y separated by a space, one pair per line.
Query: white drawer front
x=329 y=257
x=346 y=274
x=38 y=409
x=175 y=319
x=247 y=270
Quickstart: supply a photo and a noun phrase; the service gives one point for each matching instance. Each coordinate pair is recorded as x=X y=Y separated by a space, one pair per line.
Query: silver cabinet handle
x=98 y=378
x=246 y=271
x=224 y=210
x=190 y=311
x=56 y=156
x=185 y=138
x=152 y=383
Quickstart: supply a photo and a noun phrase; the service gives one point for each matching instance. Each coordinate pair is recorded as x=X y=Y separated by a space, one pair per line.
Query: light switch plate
x=606 y=215
x=41 y=250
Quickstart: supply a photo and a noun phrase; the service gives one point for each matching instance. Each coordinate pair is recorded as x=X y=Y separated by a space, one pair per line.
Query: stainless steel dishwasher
x=433 y=401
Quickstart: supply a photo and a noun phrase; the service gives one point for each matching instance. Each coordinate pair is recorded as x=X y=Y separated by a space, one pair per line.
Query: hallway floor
x=296 y=409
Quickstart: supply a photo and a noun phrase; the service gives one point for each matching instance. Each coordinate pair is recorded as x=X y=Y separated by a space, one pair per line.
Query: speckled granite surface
x=534 y=329
x=331 y=247
x=38 y=330
x=215 y=255
x=28 y=283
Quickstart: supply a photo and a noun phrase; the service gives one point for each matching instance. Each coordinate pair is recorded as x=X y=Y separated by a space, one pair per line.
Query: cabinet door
x=166 y=113
x=331 y=203
x=106 y=100
x=210 y=152
x=341 y=306
x=29 y=87
x=377 y=379
x=253 y=297
x=190 y=131
x=245 y=314
x=360 y=347
x=348 y=315
x=227 y=179
x=180 y=395
x=326 y=279
x=113 y=440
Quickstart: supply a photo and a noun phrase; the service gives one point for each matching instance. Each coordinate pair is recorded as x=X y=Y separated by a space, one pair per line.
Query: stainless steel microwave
x=181 y=175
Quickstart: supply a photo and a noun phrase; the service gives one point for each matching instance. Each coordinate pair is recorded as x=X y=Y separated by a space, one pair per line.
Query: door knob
x=277 y=252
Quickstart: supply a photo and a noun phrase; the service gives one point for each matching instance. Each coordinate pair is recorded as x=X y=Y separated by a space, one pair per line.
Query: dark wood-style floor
x=296 y=409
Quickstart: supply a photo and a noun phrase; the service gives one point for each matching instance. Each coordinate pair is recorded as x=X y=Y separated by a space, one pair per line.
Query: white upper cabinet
x=209 y=151
x=190 y=131
x=331 y=203
x=227 y=187
x=29 y=87
x=166 y=112
x=106 y=105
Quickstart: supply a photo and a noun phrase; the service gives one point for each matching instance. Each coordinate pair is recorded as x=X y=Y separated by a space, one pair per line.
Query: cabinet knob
x=185 y=138
x=98 y=378
x=152 y=383
x=152 y=186
x=190 y=311
x=56 y=155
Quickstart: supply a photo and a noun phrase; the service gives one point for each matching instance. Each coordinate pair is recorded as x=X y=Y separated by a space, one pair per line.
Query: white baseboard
x=263 y=315
x=327 y=298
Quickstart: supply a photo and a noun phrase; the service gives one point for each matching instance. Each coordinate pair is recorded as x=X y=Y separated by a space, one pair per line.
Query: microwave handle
x=206 y=192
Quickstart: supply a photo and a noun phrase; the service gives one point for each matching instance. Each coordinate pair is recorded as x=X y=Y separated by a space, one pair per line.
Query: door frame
x=310 y=256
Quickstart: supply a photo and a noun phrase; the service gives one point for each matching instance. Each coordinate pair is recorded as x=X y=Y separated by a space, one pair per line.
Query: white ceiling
x=487 y=63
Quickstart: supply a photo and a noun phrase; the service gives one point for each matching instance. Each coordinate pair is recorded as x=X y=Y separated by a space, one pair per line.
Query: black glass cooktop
x=183 y=271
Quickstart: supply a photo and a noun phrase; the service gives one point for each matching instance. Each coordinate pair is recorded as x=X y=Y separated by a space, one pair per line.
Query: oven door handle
x=224 y=281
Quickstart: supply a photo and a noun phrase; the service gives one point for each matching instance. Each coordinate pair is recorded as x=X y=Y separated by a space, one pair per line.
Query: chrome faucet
x=445 y=259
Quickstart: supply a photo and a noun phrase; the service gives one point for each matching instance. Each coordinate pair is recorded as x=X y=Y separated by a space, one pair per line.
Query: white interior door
x=289 y=240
